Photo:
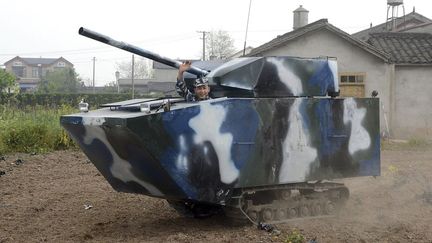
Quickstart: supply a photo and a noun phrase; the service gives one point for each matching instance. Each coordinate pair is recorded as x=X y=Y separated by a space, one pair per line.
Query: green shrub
x=31 y=122
x=295 y=237
x=23 y=100
x=33 y=129
x=62 y=140
x=412 y=144
x=26 y=138
x=418 y=142
x=3 y=149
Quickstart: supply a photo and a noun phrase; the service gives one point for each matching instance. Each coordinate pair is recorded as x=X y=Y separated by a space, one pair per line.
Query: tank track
x=283 y=203
x=191 y=209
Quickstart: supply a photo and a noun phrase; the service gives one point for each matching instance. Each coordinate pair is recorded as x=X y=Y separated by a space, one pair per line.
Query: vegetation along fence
x=30 y=122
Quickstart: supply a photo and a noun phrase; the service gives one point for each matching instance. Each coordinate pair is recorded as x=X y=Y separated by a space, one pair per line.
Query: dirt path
x=43 y=198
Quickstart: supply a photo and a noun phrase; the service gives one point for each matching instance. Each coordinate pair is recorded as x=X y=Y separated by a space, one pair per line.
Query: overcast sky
x=49 y=29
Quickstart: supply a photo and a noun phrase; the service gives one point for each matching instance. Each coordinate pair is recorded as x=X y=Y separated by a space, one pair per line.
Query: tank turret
x=253 y=76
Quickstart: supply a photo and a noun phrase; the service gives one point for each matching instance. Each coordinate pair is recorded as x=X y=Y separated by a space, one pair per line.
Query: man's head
x=202 y=89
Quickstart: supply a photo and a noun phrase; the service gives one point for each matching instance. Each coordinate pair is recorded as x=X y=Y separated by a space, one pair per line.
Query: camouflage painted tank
x=264 y=148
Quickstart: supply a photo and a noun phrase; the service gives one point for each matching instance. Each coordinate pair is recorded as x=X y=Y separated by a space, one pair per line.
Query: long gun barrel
x=139 y=51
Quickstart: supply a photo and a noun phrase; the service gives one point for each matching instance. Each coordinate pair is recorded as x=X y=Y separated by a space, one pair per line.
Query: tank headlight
x=83 y=106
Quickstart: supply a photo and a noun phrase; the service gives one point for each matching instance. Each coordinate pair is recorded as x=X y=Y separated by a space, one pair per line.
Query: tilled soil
x=61 y=197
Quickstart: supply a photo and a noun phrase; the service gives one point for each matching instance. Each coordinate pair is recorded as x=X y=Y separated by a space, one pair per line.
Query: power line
x=98 y=49
x=153 y=42
x=54 y=52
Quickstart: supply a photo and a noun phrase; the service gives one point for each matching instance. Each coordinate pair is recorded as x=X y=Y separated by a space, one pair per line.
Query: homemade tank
x=262 y=149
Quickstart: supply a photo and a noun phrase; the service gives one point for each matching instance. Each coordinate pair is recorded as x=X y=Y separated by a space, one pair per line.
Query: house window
x=17 y=63
x=35 y=72
x=61 y=64
x=19 y=71
x=352 y=78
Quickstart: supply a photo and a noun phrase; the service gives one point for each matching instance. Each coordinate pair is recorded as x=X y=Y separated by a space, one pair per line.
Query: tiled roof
x=412 y=19
x=281 y=39
x=404 y=48
x=315 y=26
x=416 y=28
x=35 y=61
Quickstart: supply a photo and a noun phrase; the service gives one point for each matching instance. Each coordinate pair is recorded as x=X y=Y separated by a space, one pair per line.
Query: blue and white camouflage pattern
x=270 y=123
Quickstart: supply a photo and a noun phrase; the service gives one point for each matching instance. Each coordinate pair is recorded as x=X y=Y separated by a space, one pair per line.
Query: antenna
x=247 y=26
x=391 y=21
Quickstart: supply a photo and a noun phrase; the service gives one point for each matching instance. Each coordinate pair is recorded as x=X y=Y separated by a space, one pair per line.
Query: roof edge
x=364 y=45
x=295 y=33
x=317 y=25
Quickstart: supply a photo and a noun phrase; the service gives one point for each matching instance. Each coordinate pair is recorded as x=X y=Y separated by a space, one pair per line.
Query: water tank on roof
x=394 y=2
x=392 y=23
x=300 y=17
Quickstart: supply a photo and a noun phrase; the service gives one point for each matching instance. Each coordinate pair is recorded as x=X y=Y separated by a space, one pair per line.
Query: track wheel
x=316 y=209
x=281 y=214
x=343 y=195
x=329 y=207
x=304 y=211
x=267 y=214
x=292 y=213
x=285 y=194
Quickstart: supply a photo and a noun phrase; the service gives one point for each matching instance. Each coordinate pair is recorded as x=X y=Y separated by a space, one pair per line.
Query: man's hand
x=184 y=66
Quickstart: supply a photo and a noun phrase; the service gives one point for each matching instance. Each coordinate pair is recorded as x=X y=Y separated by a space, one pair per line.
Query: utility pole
x=117 y=75
x=133 y=85
x=203 y=38
x=94 y=61
x=40 y=77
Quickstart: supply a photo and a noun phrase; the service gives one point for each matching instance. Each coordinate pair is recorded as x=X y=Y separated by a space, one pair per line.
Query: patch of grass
x=33 y=129
x=295 y=237
x=26 y=137
x=412 y=144
x=418 y=142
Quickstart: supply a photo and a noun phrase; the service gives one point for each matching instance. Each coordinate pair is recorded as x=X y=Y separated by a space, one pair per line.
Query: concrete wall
x=413 y=102
x=350 y=57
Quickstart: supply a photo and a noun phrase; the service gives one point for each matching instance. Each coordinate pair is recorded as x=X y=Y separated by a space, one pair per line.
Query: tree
x=7 y=81
x=142 y=68
x=63 y=80
x=219 y=45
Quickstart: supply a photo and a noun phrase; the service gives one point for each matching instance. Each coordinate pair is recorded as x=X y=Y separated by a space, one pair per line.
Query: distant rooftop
x=35 y=61
x=404 y=48
x=407 y=21
x=310 y=28
x=38 y=60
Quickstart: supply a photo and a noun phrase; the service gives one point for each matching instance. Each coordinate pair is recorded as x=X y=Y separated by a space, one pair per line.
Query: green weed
x=295 y=237
x=412 y=144
x=33 y=129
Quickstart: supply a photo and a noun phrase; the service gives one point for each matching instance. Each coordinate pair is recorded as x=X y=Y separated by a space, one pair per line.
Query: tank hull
x=204 y=151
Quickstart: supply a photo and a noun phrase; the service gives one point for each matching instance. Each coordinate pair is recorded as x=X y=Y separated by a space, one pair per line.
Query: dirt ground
x=61 y=197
